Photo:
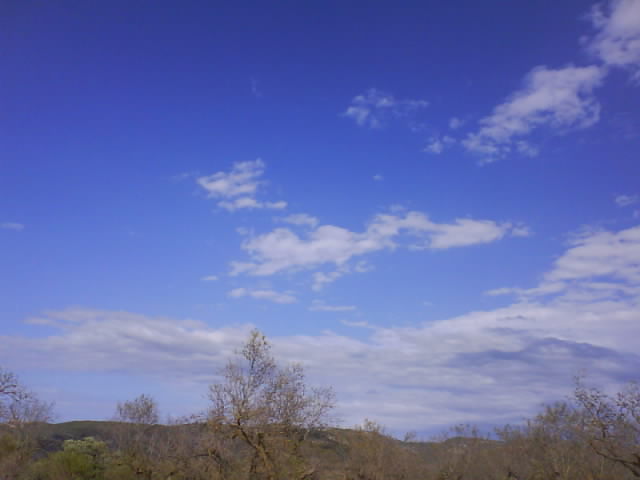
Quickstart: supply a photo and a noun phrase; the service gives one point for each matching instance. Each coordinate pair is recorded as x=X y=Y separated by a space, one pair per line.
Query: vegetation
x=264 y=422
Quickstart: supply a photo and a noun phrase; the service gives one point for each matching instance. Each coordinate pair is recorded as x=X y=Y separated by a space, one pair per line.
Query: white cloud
x=437 y=145
x=374 y=107
x=561 y=99
x=455 y=123
x=269 y=295
x=597 y=265
x=320 y=306
x=301 y=219
x=358 y=324
x=209 y=278
x=521 y=231
x=490 y=366
x=465 y=232
x=12 y=226
x=526 y=149
x=617 y=42
x=626 y=200
x=284 y=250
x=378 y=177
x=601 y=254
x=238 y=188
x=96 y=340
x=250 y=203
x=501 y=291
x=241 y=180
x=322 y=279
x=363 y=267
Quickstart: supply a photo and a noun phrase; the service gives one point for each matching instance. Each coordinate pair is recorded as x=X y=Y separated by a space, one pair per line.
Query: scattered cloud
x=247 y=202
x=626 y=200
x=466 y=232
x=558 y=98
x=437 y=145
x=375 y=107
x=209 y=278
x=455 y=123
x=16 y=227
x=357 y=324
x=283 y=250
x=601 y=254
x=526 y=149
x=597 y=264
x=302 y=219
x=363 y=267
x=322 y=279
x=238 y=188
x=617 y=42
x=269 y=295
x=500 y=291
x=520 y=230
x=483 y=366
x=241 y=180
x=378 y=178
x=321 y=306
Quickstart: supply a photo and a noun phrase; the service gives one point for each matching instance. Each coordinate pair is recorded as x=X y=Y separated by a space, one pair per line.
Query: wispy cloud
x=250 y=203
x=209 y=278
x=284 y=250
x=601 y=254
x=321 y=306
x=597 y=265
x=437 y=145
x=322 y=279
x=375 y=107
x=626 y=200
x=302 y=219
x=238 y=188
x=484 y=366
x=455 y=123
x=557 y=98
x=269 y=295
x=617 y=42
x=16 y=227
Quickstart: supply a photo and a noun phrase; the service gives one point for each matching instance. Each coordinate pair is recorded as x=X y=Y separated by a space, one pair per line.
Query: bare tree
x=613 y=423
x=134 y=434
x=9 y=384
x=143 y=410
x=18 y=405
x=373 y=454
x=552 y=445
x=269 y=408
x=23 y=413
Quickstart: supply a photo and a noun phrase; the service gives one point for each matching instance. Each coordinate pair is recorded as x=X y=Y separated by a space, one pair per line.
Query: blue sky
x=435 y=207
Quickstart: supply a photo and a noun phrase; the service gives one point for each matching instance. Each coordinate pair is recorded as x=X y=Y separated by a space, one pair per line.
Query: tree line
x=264 y=422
